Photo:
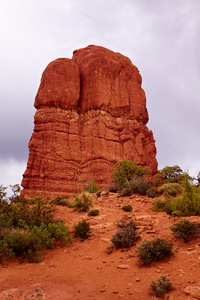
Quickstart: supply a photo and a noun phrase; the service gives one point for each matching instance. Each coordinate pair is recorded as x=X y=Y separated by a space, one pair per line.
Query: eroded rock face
x=91 y=113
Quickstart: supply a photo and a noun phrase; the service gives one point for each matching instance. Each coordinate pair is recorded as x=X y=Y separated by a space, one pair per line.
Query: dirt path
x=85 y=271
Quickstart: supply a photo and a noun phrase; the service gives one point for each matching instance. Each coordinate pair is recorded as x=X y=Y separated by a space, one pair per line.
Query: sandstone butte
x=90 y=113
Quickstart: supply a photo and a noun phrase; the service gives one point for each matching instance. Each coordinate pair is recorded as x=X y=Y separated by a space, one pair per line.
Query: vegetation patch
x=27 y=227
x=82 y=230
x=186 y=230
x=170 y=189
x=162 y=204
x=154 y=250
x=93 y=213
x=189 y=203
x=82 y=202
x=152 y=192
x=93 y=187
x=126 y=235
x=64 y=201
x=127 y=208
x=162 y=286
x=126 y=171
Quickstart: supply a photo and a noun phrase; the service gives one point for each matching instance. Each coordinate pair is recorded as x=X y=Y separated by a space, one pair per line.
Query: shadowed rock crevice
x=91 y=113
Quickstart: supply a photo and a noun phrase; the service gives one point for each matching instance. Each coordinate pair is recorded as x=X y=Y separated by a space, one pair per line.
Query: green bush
x=93 y=187
x=27 y=227
x=189 y=203
x=126 y=191
x=186 y=230
x=127 y=208
x=154 y=250
x=162 y=286
x=82 y=230
x=93 y=213
x=170 y=189
x=171 y=174
x=139 y=185
x=82 y=202
x=162 y=204
x=152 y=192
x=29 y=243
x=126 y=171
x=61 y=201
x=126 y=235
x=27 y=212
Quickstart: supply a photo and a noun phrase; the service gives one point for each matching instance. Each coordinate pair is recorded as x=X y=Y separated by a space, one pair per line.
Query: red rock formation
x=91 y=113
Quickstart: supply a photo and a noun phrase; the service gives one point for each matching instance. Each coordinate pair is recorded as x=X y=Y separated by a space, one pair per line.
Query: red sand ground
x=83 y=270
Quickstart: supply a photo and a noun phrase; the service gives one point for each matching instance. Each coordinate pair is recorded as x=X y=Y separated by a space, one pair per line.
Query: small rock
x=88 y=257
x=137 y=279
x=123 y=267
x=193 y=291
x=191 y=281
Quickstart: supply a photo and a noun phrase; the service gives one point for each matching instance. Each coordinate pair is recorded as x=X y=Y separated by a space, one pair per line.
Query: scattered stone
x=123 y=267
x=9 y=293
x=193 y=291
x=88 y=257
x=137 y=279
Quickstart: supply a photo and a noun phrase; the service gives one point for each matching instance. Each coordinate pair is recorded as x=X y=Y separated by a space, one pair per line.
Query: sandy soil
x=83 y=270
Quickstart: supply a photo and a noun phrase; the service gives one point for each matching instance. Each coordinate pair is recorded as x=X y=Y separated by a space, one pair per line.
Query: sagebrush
x=126 y=235
x=154 y=250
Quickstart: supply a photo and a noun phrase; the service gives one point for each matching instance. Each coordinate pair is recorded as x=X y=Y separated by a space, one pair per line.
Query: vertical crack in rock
x=91 y=113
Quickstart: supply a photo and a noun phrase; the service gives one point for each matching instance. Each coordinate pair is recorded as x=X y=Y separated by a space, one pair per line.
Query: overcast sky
x=161 y=37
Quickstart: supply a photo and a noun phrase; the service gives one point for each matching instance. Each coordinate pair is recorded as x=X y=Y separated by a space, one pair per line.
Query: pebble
x=123 y=267
x=137 y=279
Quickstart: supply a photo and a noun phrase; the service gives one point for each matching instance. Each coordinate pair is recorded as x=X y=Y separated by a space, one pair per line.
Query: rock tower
x=90 y=113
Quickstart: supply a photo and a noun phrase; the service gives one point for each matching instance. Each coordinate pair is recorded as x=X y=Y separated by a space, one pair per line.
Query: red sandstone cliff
x=91 y=113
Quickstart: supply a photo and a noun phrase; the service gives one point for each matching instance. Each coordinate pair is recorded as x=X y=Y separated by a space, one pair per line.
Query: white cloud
x=11 y=172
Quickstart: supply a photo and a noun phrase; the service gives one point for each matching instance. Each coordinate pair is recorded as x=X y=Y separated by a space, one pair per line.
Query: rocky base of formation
x=91 y=113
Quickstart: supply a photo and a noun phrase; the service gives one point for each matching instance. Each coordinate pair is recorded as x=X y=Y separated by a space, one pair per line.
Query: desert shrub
x=93 y=213
x=162 y=204
x=93 y=187
x=27 y=212
x=127 y=208
x=152 y=192
x=189 y=203
x=61 y=201
x=126 y=171
x=27 y=227
x=162 y=286
x=154 y=250
x=82 y=230
x=171 y=174
x=126 y=191
x=171 y=189
x=126 y=235
x=186 y=230
x=139 y=185
x=82 y=202
x=98 y=193
x=114 y=189
x=28 y=244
